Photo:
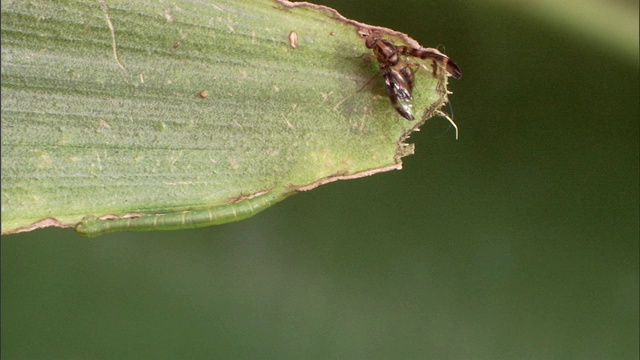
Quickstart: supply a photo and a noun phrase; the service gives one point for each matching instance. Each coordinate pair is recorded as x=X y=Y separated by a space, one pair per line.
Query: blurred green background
x=518 y=241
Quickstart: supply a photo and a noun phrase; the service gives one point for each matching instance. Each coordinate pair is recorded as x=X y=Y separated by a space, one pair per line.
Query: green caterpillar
x=92 y=226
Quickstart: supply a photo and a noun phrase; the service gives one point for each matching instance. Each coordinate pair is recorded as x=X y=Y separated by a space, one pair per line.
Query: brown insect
x=399 y=76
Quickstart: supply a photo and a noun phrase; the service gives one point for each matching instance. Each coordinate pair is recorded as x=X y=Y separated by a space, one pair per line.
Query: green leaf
x=128 y=109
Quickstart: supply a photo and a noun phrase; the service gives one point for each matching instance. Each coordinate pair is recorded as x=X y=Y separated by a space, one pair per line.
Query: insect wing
x=399 y=89
x=451 y=67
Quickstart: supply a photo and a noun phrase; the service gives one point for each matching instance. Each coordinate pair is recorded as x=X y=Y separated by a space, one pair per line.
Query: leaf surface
x=152 y=107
